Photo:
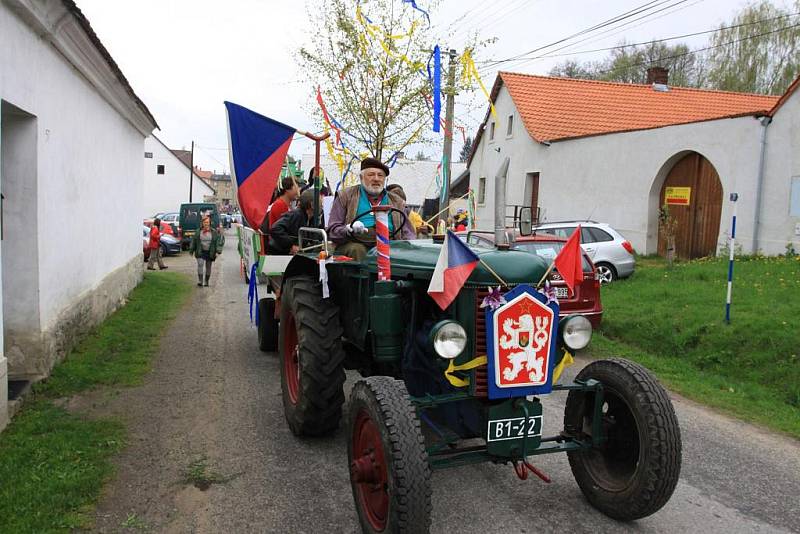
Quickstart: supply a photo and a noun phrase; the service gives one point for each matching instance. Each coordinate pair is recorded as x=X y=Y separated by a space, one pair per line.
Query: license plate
x=504 y=429
x=562 y=292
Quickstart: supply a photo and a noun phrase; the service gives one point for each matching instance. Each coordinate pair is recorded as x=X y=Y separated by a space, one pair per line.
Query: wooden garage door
x=698 y=221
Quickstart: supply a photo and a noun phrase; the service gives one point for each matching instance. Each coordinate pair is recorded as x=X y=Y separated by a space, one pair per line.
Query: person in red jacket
x=155 y=246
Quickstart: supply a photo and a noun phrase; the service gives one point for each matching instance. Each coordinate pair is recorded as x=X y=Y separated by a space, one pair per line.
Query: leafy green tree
x=761 y=55
x=372 y=79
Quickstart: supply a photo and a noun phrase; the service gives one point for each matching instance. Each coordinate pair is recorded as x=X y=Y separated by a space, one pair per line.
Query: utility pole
x=191 y=173
x=447 y=155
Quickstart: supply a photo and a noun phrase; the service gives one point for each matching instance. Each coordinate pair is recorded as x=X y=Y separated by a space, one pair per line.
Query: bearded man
x=352 y=224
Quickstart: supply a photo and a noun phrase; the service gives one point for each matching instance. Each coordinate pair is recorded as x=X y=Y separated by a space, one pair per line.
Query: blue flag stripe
x=458 y=253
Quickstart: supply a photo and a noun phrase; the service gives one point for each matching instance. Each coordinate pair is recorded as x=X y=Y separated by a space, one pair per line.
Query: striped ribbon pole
x=382 y=241
x=734 y=197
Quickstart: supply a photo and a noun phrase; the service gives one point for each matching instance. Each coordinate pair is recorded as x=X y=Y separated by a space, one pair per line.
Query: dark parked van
x=190 y=217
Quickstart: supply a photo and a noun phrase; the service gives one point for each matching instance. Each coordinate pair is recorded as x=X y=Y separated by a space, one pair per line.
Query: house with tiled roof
x=166 y=180
x=616 y=153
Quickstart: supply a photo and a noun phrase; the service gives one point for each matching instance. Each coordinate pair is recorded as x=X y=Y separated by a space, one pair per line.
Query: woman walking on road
x=204 y=246
x=155 y=246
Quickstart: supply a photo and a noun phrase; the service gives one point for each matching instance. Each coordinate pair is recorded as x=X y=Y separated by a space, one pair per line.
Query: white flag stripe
x=437 y=280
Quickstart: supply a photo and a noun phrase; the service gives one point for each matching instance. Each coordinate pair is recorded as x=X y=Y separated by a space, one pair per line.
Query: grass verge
x=672 y=321
x=53 y=463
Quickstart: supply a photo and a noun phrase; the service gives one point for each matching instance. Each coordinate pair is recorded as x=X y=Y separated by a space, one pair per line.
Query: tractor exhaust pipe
x=500 y=203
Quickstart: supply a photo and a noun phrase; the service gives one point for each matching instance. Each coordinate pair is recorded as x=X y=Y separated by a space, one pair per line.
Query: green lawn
x=53 y=463
x=672 y=320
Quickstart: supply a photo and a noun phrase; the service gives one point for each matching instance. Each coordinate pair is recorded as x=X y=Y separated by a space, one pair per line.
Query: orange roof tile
x=554 y=109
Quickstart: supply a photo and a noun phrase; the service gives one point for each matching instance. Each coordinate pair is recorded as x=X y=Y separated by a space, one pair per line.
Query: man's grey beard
x=374 y=191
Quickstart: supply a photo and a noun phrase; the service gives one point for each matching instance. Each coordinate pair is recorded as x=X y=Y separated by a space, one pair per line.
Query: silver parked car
x=611 y=253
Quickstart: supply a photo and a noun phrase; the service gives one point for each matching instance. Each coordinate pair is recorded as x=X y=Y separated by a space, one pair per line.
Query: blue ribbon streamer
x=347 y=170
x=415 y=6
x=252 y=292
x=437 y=88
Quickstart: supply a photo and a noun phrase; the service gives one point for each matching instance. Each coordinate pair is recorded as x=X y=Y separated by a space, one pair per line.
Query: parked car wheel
x=606 y=273
x=633 y=473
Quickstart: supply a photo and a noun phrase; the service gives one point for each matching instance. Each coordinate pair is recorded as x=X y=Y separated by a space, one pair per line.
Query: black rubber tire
x=612 y=271
x=388 y=404
x=267 y=326
x=318 y=409
x=634 y=474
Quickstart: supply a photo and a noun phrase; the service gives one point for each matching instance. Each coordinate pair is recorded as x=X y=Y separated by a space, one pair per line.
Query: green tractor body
x=415 y=410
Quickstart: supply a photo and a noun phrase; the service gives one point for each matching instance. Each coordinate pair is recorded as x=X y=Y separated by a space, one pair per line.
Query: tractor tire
x=633 y=474
x=389 y=470
x=267 y=326
x=311 y=356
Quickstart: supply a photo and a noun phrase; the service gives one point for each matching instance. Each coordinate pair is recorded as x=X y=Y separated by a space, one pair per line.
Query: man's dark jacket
x=284 y=233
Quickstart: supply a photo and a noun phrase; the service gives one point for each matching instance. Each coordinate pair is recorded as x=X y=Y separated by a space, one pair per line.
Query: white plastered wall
x=166 y=192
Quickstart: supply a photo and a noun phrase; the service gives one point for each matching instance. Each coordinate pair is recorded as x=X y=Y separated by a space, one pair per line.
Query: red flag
x=569 y=262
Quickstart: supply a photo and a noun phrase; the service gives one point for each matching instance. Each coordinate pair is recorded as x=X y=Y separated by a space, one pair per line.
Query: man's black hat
x=374 y=163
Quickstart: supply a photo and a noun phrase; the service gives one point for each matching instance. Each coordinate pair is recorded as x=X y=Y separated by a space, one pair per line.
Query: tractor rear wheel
x=634 y=473
x=267 y=326
x=311 y=355
x=389 y=470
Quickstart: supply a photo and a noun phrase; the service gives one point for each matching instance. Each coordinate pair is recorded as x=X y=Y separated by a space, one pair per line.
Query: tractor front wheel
x=634 y=472
x=311 y=355
x=389 y=470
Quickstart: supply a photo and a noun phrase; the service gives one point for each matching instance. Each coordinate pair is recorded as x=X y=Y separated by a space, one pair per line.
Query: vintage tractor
x=447 y=388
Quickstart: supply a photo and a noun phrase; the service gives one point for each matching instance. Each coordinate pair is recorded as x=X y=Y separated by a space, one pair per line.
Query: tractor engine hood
x=417 y=259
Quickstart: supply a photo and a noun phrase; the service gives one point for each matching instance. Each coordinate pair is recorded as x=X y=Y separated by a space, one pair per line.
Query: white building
x=417 y=178
x=614 y=152
x=72 y=140
x=166 y=180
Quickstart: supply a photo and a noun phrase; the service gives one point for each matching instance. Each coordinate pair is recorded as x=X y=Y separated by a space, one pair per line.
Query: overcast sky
x=185 y=57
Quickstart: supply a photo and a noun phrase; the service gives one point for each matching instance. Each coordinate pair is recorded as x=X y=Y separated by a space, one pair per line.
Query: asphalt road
x=212 y=396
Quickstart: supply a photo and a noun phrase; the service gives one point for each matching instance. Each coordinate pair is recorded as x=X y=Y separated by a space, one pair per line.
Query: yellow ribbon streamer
x=470 y=72
x=472 y=364
x=565 y=362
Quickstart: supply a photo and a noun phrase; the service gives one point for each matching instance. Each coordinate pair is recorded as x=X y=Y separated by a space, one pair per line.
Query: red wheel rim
x=369 y=471
x=291 y=359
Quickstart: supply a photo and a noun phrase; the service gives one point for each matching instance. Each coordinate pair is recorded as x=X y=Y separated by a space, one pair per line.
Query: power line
x=614 y=20
x=690 y=52
x=627 y=45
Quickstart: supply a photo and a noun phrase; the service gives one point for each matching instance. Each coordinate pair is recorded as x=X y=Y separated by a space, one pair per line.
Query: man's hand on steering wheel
x=357 y=228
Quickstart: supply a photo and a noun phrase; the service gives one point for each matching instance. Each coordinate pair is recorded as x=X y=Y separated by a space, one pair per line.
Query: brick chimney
x=658 y=75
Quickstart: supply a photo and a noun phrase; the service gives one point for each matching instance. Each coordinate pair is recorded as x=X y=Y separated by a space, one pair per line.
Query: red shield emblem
x=522 y=342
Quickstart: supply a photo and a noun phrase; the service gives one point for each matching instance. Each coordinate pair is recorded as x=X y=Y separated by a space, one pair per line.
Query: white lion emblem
x=528 y=336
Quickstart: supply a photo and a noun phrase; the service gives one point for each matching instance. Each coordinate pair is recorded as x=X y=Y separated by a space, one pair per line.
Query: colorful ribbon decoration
x=252 y=292
x=565 y=362
x=472 y=364
x=415 y=6
x=437 y=88
x=382 y=242
x=469 y=73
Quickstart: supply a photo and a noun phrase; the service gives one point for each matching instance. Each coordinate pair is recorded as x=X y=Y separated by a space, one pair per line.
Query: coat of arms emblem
x=522 y=342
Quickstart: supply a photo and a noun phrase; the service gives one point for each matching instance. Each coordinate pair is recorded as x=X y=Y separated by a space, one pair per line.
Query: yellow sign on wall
x=677 y=195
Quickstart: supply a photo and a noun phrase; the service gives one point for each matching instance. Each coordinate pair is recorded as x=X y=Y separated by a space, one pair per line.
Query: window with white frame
x=482 y=190
x=510 y=127
x=491 y=132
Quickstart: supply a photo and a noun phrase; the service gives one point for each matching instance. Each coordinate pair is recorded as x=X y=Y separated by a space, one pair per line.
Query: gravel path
x=213 y=399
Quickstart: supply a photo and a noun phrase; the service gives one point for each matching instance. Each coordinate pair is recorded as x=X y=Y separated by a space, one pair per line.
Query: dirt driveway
x=211 y=411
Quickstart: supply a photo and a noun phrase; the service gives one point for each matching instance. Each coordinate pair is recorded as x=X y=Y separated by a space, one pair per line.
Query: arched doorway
x=695 y=200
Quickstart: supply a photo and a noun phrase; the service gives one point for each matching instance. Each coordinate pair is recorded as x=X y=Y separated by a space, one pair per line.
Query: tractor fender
x=300 y=265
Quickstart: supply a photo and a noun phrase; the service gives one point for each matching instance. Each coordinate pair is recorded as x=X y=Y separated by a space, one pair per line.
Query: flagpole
x=544 y=276
x=486 y=265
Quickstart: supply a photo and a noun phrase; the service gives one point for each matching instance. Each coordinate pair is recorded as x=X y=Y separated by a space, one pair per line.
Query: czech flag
x=258 y=148
x=569 y=262
x=456 y=262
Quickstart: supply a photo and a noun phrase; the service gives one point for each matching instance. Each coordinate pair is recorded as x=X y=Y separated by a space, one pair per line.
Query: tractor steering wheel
x=392 y=235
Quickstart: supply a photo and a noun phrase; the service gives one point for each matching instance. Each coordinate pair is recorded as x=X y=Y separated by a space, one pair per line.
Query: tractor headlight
x=576 y=331
x=449 y=339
